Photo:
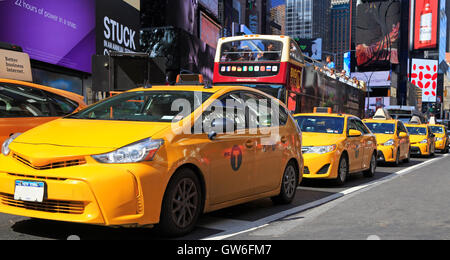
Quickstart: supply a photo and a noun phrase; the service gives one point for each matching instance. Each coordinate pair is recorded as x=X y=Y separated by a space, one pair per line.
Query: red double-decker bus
x=275 y=65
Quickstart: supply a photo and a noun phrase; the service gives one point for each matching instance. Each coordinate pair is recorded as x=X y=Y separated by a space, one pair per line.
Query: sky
x=277 y=2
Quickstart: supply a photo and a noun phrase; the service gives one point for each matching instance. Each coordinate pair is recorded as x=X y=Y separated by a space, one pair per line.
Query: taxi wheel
x=397 y=158
x=342 y=171
x=182 y=204
x=373 y=167
x=288 y=185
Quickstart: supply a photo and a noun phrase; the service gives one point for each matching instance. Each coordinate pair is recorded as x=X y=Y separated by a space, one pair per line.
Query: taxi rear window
x=145 y=106
x=321 y=124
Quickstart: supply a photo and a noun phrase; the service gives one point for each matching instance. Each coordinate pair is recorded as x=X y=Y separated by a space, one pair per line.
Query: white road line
x=235 y=227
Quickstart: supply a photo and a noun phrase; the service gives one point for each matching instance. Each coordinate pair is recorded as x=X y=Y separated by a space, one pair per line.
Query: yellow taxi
x=422 y=139
x=442 y=140
x=392 y=139
x=159 y=155
x=336 y=145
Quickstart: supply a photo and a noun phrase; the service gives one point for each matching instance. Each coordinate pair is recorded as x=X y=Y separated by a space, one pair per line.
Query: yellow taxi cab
x=392 y=138
x=25 y=105
x=422 y=139
x=159 y=155
x=441 y=135
x=336 y=145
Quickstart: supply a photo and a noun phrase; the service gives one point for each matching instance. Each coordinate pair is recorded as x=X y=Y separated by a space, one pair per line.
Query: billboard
x=117 y=28
x=311 y=47
x=424 y=74
x=425 y=24
x=377 y=34
x=60 y=34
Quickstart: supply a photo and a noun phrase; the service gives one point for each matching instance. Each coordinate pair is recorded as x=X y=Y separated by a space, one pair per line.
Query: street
x=406 y=202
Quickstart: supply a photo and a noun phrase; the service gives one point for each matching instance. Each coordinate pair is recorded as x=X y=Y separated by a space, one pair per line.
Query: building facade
x=340 y=30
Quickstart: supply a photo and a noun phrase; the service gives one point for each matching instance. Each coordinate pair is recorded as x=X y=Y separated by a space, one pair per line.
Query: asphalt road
x=410 y=201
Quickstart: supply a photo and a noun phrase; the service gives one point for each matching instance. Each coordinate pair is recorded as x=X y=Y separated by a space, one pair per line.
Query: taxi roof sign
x=433 y=121
x=382 y=114
x=190 y=79
x=326 y=110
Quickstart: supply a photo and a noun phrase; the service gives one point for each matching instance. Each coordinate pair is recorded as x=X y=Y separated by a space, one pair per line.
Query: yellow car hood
x=417 y=138
x=383 y=138
x=321 y=139
x=90 y=133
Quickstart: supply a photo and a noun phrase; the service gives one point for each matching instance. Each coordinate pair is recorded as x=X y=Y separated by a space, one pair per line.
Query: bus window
x=295 y=52
x=251 y=50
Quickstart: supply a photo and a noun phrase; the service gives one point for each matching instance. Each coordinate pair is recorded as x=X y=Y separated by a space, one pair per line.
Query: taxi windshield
x=251 y=50
x=437 y=130
x=417 y=130
x=145 y=106
x=381 y=128
x=321 y=124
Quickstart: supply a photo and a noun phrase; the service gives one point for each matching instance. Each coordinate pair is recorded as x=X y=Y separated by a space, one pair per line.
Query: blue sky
x=277 y=2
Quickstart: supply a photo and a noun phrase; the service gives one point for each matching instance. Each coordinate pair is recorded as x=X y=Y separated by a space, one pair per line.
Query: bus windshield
x=251 y=50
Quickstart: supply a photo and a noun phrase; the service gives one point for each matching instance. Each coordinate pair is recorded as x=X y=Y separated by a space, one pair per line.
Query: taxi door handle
x=249 y=144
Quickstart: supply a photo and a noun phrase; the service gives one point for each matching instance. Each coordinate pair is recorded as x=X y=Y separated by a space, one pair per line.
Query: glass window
x=259 y=111
x=321 y=124
x=381 y=128
x=251 y=50
x=417 y=130
x=62 y=106
x=295 y=52
x=437 y=130
x=146 y=106
x=361 y=127
x=22 y=101
x=276 y=91
x=231 y=106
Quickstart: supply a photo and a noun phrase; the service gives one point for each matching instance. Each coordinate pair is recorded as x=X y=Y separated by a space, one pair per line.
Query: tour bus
x=276 y=65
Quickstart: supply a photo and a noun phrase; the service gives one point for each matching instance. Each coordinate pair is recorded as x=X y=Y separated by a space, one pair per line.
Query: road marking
x=246 y=226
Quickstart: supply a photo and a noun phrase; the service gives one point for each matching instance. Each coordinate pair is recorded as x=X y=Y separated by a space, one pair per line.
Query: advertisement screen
x=424 y=74
x=52 y=31
x=426 y=24
x=377 y=34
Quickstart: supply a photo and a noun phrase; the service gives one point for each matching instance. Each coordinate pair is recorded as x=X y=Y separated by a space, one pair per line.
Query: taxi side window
x=401 y=128
x=361 y=127
x=62 y=106
x=22 y=101
x=258 y=110
x=228 y=107
x=351 y=125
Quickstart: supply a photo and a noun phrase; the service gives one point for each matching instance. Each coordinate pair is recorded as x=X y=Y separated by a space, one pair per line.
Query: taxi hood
x=383 y=138
x=321 y=139
x=417 y=138
x=109 y=135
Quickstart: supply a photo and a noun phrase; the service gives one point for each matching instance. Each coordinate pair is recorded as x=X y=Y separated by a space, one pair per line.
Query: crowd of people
x=330 y=70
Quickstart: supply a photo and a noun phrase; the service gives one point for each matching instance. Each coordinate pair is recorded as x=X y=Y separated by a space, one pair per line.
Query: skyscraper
x=340 y=30
x=308 y=19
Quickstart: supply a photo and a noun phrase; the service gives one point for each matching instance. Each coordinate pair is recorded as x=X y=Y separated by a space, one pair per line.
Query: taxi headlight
x=5 y=145
x=389 y=143
x=140 y=151
x=424 y=141
x=320 y=149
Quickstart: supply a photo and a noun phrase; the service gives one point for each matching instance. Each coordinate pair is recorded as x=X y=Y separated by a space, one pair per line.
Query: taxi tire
x=167 y=224
x=408 y=159
x=397 y=158
x=288 y=185
x=342 y=176
x=373 y=167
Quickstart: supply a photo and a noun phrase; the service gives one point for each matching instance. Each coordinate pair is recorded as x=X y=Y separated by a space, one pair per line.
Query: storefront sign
x=15 y=65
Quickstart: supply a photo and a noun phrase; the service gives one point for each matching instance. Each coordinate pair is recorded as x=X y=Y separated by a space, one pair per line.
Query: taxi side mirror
x=354 y=133
x=403 y=134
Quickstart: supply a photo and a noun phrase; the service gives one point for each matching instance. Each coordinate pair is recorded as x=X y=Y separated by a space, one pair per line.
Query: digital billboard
x=377 y=34
x=425 y=24
x=424 y=74
x=52 y=31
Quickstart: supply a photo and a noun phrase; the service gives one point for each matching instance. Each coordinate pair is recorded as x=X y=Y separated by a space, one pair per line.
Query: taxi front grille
x=51 y=206
x=49 y=166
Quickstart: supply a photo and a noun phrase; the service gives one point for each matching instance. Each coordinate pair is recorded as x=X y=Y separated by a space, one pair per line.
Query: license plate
x=31 y=191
